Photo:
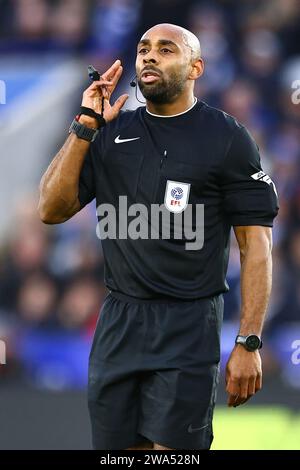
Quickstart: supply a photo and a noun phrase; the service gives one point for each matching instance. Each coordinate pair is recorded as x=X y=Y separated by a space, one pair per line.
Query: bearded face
x=162 y=87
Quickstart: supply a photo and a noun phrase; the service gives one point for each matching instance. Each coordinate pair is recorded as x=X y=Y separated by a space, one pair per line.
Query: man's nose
x=150 y=58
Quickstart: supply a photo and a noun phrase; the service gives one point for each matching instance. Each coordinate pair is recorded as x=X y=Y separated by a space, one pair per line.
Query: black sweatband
x=90 y=112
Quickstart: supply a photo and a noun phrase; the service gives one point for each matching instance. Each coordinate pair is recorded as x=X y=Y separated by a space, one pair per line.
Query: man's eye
x=141 y=51
x=166 y=50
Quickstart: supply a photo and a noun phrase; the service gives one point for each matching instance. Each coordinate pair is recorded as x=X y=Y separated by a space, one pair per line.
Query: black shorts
x=154 y=371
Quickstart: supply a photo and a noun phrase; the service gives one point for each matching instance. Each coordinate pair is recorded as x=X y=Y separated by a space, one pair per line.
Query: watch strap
x=83 y=132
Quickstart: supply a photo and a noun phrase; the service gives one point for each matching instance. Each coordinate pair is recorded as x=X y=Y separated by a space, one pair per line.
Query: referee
x=154 y=362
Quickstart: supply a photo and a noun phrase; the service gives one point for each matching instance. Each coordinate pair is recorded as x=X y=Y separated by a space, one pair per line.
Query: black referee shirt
x=203 y=149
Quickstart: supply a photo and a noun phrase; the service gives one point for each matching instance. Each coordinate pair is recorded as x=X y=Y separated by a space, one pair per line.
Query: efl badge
x=176 y=196
x=261 y=176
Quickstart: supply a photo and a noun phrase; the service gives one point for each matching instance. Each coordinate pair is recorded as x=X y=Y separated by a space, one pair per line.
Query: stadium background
x=51 y=277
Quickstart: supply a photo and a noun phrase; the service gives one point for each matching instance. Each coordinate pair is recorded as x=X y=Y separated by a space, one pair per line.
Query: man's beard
x=163 y=91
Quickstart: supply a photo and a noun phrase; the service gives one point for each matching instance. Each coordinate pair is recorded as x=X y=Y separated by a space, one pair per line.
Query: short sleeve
x=249 y=194
x=87 y=183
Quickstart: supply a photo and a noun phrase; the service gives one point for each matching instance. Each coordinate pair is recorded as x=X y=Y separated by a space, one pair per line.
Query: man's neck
x=179 y=106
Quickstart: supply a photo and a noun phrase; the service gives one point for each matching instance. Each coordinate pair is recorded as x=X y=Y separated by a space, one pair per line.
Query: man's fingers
x=115 y=79
x=258 y=383
x=244 y=385
x=109 y=74
x=108 y=80
x=247 y=390
x=251 y=387
x=119 y=103
x=233 y=399
x=99 y=85
x=233 y=389
x=227 y=376
x=243 y=376
x=240 y=391
x=251 y=390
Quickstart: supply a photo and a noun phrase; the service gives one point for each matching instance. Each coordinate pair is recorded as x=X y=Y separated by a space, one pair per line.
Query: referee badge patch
x=176 y=196
x=262 y=176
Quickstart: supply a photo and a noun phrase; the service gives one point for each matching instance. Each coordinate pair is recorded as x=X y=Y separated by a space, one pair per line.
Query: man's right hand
x=103 y=88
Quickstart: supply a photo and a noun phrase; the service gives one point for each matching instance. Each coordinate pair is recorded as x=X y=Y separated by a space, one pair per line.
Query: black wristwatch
x=83 y=132
x=250 y=342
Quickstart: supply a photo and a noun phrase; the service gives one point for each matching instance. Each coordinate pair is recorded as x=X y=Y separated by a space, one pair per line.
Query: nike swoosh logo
x=191 y=429
x=121 y=141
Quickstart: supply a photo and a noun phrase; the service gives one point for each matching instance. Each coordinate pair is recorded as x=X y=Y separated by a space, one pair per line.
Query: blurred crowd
x=51 y=277
x=67 y=26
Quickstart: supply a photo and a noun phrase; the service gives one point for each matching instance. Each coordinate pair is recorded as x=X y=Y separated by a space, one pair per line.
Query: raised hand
x=103 y=88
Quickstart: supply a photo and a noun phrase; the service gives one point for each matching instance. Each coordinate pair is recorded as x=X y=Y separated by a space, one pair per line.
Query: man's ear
x=197 y=69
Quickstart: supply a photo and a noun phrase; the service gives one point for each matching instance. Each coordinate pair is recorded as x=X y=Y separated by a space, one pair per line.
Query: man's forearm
x=59 y=184
x=256 y=282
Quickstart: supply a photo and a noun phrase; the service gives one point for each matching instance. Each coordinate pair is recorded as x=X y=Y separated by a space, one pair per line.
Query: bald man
x=155 y=357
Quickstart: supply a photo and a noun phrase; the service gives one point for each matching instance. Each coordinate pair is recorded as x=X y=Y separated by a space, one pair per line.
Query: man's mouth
x=149 y=76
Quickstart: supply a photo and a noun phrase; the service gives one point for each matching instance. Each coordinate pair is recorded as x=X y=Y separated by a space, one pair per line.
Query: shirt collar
x=173 y=115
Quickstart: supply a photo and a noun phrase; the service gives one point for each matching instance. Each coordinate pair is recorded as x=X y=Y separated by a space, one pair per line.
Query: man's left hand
x=243 y=375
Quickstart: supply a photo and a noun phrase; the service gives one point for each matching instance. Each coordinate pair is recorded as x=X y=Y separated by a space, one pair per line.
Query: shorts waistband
x=167 y=300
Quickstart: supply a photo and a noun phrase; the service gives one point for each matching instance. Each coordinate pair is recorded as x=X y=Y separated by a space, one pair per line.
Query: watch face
x=253 y=342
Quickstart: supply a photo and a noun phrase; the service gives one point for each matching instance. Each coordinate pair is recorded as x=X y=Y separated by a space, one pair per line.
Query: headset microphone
x=95 y=76
x=133 y=82
x=93 y=73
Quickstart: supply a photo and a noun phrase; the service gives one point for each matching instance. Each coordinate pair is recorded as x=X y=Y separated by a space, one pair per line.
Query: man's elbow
x=256 y=242
x=51 y=216
x=260 y=251
x=264 y=245
x=48 y=218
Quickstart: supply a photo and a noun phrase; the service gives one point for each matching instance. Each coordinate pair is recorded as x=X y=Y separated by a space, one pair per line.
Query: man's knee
x=159 y=447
